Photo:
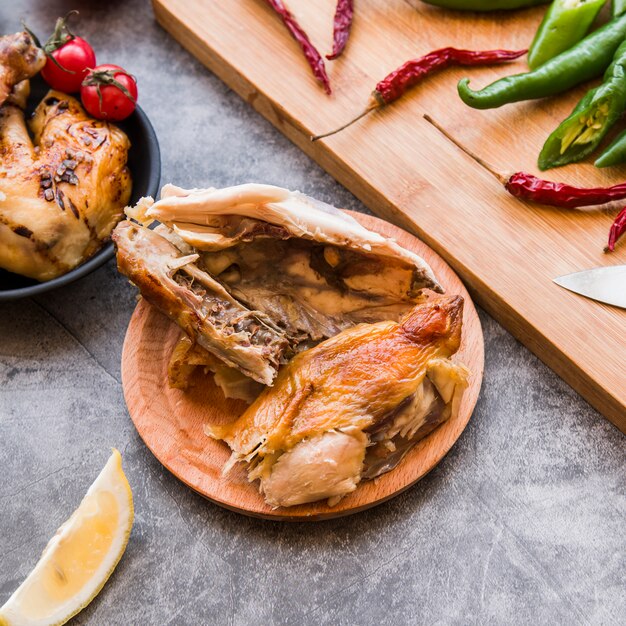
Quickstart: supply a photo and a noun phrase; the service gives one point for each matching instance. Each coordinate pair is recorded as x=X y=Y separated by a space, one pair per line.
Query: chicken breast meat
x=61 y=192
x=255 y=274
x=20 y=59
x=350 y=408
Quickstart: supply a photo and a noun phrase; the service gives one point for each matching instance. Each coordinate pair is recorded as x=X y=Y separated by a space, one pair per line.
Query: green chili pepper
x=484 y=5
x=565 y=24
x=618 y=7
x=614 y=154
x=579 y=134
x=586 y=60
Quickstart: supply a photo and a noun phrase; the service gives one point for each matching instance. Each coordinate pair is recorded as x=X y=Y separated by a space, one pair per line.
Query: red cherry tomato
x=76 y=57
x=109 y=93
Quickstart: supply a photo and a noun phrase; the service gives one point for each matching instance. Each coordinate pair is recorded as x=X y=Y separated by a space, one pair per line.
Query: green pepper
x=614 y=154
x=584 y=61
x=618 y=7
x=484 y=5
x=565 y=24
x=579 y=134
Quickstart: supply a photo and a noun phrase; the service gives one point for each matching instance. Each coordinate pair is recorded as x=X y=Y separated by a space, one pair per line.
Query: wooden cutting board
x=418 y=163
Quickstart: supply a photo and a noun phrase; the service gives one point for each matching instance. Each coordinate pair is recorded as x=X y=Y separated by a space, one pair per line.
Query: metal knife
x=604 y=284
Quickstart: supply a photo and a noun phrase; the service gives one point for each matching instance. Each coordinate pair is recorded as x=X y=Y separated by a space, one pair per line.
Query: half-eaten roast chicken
x=61 y=192
x=340 y=324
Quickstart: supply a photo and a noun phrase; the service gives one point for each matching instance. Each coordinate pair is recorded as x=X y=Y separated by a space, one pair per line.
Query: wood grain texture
x=171 y=421
x=406 y=169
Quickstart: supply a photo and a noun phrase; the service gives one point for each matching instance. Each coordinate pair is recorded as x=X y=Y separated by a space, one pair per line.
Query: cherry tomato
x=117 y=93
x=76 y=57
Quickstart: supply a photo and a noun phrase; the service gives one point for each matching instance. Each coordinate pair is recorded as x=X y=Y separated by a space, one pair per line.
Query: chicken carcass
x=62 y=192
x=256 y=273
x=351 y=407
x=20 y=59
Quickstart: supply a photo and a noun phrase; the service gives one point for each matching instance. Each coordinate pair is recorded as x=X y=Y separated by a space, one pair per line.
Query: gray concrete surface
x=522 y=523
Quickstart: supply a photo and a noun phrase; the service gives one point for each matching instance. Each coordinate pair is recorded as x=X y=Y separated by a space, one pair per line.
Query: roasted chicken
x=274 y=288
x=20 y=59
x=62 y=192
x=255 y=274
x=351 y=407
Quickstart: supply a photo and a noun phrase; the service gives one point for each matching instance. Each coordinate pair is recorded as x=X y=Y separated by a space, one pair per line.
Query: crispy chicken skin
x=352 y=406
x=20 y=59
x=62 y=192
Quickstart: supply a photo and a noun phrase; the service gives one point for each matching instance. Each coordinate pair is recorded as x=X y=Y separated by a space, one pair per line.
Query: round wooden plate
x=171 y=422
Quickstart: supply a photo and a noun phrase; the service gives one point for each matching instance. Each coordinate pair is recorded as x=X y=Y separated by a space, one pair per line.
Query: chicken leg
x=59 y=202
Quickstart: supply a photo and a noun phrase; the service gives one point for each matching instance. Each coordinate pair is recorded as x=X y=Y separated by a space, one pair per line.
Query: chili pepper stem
x=371 y=107
x=502 y=179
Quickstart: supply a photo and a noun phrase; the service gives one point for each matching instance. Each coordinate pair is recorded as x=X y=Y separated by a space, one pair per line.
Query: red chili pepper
x=618 y=228
x=529 y=187
x=412 y=72
x=341 y=29
x=311 y=54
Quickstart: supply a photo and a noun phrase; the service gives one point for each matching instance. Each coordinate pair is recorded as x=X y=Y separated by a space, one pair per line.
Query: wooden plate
x=171 y=421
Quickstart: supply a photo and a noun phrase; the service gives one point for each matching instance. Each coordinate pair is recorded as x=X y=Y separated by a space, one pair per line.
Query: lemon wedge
x=80 y=557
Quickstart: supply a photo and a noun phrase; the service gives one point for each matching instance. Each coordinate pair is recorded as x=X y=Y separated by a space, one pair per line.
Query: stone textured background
x=523 y=522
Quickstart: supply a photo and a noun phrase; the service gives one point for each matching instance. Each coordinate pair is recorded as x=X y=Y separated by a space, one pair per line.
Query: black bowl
x=144 y=161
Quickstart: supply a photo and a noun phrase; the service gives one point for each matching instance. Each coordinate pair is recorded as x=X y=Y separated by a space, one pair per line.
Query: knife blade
x=604 y=284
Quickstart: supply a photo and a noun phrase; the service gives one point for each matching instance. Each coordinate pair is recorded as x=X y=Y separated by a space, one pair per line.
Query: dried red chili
x=341 y=27
x=313 y=57
x=529 y=187
x=618 y=228
x=412 y=72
